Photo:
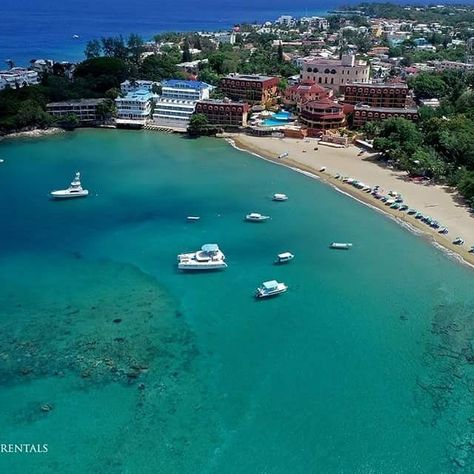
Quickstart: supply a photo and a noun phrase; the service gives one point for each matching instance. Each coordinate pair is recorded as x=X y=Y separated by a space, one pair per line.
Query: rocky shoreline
x=34 y=133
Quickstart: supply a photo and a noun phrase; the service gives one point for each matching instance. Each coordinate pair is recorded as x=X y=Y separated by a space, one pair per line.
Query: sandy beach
x=441 y=203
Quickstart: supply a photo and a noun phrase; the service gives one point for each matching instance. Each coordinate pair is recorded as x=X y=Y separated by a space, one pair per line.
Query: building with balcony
x=376 y=94
x=132 y=86
x=135 y=108
x=18 y=77
x=364 y=113
x=253 y=89
x=177 y=102
x=224 y=113
x=298 y=94
x=323 y=114
x=84 y=109
x=333 y=73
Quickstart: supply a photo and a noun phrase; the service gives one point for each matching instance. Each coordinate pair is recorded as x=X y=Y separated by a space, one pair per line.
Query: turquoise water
x=278 y=119
x=363 y=366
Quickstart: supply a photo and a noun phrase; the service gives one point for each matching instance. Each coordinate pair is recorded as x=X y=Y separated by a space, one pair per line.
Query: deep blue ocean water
x=44 y=28
x=361 y=367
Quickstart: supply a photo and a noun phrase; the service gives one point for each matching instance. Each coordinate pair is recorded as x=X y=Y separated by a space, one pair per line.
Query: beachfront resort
x=237 y=251
x=390 y=84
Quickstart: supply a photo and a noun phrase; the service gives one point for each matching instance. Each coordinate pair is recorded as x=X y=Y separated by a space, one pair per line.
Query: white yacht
x=280 y=197
x=270 y=288
x=284 y=257
x=209 y=257
x=256 y=217
x=75 y=190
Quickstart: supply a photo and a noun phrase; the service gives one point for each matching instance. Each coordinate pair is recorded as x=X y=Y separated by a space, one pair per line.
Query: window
x=309 y=69
x=326 y=71
x=333 y=71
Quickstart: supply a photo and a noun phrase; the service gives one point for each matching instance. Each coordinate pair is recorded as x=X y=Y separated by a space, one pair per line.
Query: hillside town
x=338 y=78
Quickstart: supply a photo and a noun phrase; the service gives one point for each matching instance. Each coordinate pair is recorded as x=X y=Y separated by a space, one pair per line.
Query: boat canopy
x=270 y=285
x=210 y=248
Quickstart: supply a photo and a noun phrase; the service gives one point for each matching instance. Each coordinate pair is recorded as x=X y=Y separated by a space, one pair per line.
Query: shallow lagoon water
x=364 y=365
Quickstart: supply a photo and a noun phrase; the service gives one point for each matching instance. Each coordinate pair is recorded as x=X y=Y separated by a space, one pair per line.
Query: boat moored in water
x=193 y=218
x=256 y=217
x=280 y=197
x=284 y=257
x=340 y=245
x=209 y=257
x=74 y=190
x=270 y=288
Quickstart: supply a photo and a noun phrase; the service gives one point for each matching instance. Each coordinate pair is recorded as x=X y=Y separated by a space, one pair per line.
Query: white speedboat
x=256 y=217
x=340 y=245
x=270 y=288
x=284 y=257
x=74 y=191
x=193 y=218
x=458 y=241
x=209 y=257
x=280 y=197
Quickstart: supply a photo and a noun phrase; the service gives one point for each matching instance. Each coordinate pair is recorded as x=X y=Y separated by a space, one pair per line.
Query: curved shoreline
x=458 y=253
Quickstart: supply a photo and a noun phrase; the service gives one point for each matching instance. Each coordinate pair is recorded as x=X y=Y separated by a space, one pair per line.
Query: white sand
x=442 y=204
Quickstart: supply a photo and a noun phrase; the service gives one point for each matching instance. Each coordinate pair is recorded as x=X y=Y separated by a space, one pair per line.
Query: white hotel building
x=333 y=73
x=17 y=77
x=178 y=101
x=135 y=108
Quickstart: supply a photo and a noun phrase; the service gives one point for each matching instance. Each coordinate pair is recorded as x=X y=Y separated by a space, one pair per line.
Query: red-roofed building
x=307 y=90
x=323 y=114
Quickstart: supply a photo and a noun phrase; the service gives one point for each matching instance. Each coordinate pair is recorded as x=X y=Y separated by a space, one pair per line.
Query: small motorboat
x=395 y=205
x=280 y=197
x=284 y=257
x=322 y=169
x=340 y=245
x=458 y=241
x=403 y=207
x=256 y=217
x=471 y=250
x=73 y=191
x=193 y=218
x=1 y=161
x=443 y=230
x=270 y=288
x=418 y=215
x=75 y=36
x=283 y=155
x=411 y=211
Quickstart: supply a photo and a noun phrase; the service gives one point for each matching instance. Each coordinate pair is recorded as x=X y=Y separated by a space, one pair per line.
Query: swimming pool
x=280 y=118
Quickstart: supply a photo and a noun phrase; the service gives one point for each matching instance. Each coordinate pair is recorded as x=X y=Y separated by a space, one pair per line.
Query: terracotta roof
x=323 y=103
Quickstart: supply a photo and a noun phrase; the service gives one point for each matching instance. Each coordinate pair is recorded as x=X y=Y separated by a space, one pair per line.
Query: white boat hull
x=68 y=195
x=261 y=293
x=202 y=266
